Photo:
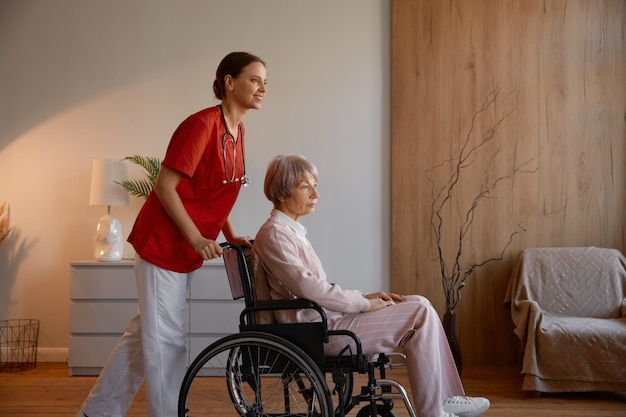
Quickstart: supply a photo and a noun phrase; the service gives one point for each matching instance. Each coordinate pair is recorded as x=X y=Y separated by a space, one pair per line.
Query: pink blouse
x=294 y=270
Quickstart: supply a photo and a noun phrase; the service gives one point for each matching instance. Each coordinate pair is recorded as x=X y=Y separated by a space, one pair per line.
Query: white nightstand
x=103 y=298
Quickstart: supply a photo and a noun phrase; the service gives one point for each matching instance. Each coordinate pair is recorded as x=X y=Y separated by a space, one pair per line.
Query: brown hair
x=232 y=64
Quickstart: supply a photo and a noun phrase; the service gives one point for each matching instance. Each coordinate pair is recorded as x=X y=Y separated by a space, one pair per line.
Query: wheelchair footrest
x=386 y=359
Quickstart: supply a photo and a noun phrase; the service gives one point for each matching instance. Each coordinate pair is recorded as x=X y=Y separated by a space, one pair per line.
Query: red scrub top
x=199 y=150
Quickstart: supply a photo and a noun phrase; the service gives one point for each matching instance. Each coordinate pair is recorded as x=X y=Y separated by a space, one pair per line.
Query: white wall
x=88 y=79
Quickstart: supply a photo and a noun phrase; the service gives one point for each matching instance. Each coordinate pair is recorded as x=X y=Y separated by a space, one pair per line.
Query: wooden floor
x=48 y=391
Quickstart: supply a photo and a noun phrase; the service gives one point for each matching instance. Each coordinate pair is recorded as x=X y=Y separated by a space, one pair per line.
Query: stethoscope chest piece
x=245 y=180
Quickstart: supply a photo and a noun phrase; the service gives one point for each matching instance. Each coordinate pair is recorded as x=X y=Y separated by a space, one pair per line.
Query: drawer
x=215 y=317
x=90 y=351
x=112 y=281
x=197 y=345
x=100 y=283
x=102 y=317
x=210 y=283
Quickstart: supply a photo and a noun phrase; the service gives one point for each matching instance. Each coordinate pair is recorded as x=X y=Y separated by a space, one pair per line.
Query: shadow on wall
x=83 y=57
x=13 y=252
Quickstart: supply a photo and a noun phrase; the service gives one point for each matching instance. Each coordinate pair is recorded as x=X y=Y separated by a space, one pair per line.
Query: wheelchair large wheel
x=254 y=375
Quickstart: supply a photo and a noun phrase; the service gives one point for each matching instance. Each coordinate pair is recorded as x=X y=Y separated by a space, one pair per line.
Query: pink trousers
x=414 y=327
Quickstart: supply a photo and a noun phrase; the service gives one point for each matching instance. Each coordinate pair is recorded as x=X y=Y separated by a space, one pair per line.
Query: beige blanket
x=568 y=306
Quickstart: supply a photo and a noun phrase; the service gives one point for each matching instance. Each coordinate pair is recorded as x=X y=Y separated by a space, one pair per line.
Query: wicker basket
x=18 y=344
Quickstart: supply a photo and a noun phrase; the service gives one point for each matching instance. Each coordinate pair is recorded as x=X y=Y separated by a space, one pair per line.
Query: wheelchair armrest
x=347 y=358
x=353 y=336
x=296 y=304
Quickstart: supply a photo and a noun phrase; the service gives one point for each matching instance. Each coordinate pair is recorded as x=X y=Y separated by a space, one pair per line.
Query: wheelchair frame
x=281 y=369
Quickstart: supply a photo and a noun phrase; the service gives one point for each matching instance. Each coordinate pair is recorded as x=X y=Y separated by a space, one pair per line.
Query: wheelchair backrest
x=237 y=272
x=247 y=279
x=260 y=288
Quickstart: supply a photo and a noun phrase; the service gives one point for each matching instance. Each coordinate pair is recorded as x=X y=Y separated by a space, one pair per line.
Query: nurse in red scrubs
x=175 y=231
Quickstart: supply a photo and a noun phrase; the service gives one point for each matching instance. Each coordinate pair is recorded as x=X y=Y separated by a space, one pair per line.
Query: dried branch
x=454 y=279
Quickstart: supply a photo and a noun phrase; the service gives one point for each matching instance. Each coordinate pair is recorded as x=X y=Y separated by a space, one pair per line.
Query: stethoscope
x=227 y=137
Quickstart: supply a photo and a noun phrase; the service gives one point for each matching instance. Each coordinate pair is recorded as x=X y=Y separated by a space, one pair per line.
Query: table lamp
x=105 y=191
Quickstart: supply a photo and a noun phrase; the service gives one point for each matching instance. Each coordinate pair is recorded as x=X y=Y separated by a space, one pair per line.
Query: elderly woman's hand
x=382 y=299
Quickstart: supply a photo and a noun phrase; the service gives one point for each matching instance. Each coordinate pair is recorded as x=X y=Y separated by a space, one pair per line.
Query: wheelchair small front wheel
x=381 y=410
x=254 y=374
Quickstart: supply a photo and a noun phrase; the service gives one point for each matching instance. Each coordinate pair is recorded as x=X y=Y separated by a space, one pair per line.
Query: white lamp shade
x=104 y=190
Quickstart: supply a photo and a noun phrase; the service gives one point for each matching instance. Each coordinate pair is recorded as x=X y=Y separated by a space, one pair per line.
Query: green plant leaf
x=143 y=187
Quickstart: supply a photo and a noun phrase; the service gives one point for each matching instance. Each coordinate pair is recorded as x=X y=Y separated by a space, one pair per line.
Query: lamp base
x=109 y=239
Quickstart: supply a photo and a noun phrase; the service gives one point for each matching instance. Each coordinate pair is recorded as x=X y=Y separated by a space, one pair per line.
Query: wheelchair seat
x=279 y=369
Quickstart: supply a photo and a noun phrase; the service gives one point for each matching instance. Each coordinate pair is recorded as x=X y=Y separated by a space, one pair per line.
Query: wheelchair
x=271 y=369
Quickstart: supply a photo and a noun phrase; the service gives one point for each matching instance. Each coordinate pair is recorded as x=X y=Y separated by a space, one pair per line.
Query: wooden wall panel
x=559 y=68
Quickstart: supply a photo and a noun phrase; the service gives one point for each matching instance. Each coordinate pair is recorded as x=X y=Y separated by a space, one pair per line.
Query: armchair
x=568 y=307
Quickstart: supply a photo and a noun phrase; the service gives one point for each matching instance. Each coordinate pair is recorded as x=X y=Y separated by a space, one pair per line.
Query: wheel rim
x=252 y=375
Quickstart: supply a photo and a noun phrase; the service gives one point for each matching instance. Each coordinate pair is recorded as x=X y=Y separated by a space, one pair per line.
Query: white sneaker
x=447 y=415
x=466 y=406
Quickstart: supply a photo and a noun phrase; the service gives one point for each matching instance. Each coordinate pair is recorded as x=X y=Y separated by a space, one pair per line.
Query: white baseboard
x=52 y=354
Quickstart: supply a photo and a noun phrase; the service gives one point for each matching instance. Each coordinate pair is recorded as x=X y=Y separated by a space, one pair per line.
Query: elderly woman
x=383 y=321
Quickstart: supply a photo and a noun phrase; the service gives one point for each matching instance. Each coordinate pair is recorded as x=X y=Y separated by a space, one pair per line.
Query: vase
x=449 y=326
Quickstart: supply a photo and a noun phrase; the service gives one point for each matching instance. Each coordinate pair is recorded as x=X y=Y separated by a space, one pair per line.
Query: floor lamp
x=105 y=191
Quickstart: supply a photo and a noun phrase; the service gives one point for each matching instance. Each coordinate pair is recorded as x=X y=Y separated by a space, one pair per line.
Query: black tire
x=381 y=410
x=254 y=374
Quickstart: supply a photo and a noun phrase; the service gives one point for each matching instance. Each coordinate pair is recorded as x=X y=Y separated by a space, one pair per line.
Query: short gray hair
x=283 y=173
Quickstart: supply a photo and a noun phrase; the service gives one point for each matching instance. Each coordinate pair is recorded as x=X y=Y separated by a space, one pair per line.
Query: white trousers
x=414 y=327
x=153 y=347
